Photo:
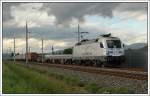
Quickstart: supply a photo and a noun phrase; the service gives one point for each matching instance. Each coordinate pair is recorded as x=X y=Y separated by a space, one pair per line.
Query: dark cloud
x=142 y=7
x=7 y=10
x=67 y=34
x=8 y=32
x=65 y=12
x=48 y=32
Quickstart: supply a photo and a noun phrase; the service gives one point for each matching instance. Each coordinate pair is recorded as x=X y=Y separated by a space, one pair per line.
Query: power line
x=80 y=34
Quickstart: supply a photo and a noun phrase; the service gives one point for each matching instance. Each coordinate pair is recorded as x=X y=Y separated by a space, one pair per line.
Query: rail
x=139 y=75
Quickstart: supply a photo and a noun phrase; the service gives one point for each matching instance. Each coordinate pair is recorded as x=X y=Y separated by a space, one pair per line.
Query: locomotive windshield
x=113 y=43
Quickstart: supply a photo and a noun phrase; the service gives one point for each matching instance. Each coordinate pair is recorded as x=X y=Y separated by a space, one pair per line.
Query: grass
x=38 y=79
x=88 y=86
x=68 y=79
x=18 y=79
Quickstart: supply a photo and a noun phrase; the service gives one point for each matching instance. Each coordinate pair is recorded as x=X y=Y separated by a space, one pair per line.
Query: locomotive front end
x=114 y=52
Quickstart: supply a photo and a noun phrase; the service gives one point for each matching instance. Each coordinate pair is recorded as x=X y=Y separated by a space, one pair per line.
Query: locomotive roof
x=87 y=41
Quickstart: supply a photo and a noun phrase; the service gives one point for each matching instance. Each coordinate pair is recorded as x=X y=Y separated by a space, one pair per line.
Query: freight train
x=102 y=51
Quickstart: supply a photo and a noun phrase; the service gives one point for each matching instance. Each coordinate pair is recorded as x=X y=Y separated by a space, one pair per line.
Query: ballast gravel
x=137 y=86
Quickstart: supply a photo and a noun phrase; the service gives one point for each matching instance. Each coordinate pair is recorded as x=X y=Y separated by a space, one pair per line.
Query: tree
x=67 y=51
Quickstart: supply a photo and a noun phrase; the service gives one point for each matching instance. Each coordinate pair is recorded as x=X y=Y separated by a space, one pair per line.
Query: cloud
x=66 y=12
x=47 y=32
x=8 y=43
x=129 y=36
x=125 y=15
x=26 y=12
x=7 y=11
x=34 y=44
x=132 y=7
x=138 y=39
x=39 y=14
x=47 y=20
x=129 y=31
x=134 y=11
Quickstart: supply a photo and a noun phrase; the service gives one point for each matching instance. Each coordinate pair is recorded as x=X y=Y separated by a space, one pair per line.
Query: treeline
x=67 y=51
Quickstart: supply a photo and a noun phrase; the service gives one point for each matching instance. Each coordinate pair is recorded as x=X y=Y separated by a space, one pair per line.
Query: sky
x=57 y=23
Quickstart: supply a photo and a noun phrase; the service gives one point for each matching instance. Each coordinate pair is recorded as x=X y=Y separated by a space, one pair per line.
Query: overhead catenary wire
x=80 y=34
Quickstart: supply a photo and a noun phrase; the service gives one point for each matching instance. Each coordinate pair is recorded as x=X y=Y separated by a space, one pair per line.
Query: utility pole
x=29 y=49
x=80 y=36
x=78 y=33
x=14 y=50
x=22 y=53
x=26 y=43
x=52 y=49
x=42 y=51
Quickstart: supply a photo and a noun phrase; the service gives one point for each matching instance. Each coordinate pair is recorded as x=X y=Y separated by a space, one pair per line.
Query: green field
x=18 y=78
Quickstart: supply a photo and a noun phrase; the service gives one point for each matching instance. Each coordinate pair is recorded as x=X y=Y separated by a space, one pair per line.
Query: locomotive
x=102 y=51
x=105 y=50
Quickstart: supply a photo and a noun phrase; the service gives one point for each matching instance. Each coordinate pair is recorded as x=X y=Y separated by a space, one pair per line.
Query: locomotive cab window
x=113 y=43
x=101 y=45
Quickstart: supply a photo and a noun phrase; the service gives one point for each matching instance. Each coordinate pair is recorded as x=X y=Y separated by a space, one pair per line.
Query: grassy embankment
x=19 y=79
x=35 y=79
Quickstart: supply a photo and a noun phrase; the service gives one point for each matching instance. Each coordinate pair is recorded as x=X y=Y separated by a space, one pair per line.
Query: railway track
x=138 y=75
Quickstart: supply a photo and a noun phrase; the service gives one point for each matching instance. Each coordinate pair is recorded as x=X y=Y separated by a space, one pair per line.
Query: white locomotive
x=105 y=50
x=101 y=51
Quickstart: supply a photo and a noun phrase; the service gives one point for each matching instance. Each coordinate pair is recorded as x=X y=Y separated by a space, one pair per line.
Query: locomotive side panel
x=94 y=50
x=88 y=50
